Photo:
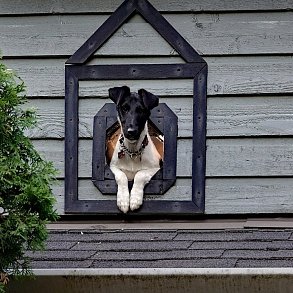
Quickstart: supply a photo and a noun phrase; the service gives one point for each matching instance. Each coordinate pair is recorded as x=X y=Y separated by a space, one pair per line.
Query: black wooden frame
x=75 y=71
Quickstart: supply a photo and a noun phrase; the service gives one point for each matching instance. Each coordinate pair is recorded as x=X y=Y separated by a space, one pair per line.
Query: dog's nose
x=131 y=132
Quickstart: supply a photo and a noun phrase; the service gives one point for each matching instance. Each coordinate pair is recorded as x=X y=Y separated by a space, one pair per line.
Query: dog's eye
x=125 y=108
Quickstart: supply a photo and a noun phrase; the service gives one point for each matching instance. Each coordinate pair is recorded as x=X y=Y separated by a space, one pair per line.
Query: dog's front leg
x=140 y=180
x=123 y=192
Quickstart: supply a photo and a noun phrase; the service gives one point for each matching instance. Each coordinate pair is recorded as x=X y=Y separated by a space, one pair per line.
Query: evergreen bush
x=26 y=199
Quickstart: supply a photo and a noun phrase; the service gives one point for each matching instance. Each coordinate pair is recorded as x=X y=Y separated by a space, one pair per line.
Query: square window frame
x=193 y=70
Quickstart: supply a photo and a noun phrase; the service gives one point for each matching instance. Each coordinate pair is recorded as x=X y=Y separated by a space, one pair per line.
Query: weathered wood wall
x=248 y=46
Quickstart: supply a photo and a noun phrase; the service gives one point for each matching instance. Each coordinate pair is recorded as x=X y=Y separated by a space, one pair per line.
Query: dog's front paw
x=136 y=198
x=123 y=201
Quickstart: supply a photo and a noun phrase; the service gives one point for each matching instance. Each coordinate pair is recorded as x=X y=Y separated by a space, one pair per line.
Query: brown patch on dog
x=113 y=137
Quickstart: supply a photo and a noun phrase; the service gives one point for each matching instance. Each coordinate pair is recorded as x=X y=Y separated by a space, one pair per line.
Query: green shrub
x=26 y=199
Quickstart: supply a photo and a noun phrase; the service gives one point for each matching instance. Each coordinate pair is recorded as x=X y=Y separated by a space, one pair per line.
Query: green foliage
x=26 y=199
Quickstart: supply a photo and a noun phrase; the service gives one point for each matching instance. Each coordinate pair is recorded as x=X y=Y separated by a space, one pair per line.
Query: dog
x=135 y=156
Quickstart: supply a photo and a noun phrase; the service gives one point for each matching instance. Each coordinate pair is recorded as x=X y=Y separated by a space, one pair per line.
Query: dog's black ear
x=116 y=93
x=150 y=101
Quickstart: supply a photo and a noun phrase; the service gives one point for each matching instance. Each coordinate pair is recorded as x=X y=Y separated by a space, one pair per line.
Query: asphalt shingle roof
x=224 y=248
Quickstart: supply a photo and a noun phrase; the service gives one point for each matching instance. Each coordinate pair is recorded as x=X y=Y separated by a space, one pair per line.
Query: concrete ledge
x=206 y=280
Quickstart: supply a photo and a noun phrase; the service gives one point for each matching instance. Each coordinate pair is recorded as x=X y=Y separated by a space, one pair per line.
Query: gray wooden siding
x=210 y=34
x=248 y=46
x=101 y=6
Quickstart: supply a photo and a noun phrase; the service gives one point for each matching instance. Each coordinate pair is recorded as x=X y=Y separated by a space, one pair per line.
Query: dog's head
x=133 y=109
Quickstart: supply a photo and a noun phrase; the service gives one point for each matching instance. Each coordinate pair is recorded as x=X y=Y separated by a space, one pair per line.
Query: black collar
x=124 y=150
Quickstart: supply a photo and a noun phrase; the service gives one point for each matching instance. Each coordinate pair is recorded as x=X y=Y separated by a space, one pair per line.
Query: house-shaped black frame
x=75 y=71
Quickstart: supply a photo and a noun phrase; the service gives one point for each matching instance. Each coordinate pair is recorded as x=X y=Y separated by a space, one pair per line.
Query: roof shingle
x=166 y=249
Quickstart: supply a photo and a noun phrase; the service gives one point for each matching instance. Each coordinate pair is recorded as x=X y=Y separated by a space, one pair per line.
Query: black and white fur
x=139 y=162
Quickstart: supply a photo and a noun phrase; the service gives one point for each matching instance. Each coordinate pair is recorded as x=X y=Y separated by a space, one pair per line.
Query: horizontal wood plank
x=227 y=75
x=209 y=34
x=223 y=196
x=181 y=191
x=249 y=116
x=225 y=157
x=249 y=195
x=100 y=6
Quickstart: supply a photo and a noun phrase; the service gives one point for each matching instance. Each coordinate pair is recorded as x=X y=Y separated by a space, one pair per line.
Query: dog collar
x=124 y=150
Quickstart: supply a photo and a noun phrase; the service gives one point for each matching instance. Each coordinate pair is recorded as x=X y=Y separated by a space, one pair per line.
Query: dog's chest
x=149 y=158
x=130 y=166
